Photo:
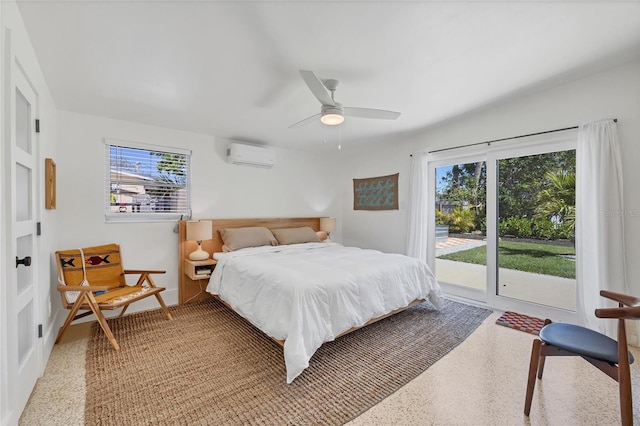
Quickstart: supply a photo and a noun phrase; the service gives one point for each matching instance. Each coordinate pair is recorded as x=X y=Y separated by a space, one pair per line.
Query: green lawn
x=528 y=257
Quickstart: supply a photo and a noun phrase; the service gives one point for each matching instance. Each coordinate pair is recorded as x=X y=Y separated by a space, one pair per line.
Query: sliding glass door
x=459 y=206
x=536 y=218
x=503 y=223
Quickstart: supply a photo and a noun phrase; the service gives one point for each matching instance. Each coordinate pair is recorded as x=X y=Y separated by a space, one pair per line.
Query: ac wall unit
x=251 y=155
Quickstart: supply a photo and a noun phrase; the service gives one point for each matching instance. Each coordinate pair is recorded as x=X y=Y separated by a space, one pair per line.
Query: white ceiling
x=230 y=69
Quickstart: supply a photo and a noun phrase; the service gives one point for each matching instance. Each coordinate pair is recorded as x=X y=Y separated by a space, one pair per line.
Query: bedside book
x=199 y=269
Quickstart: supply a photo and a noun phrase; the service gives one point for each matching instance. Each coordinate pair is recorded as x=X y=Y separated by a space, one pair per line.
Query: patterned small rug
x=521 y=322
x=211 y=367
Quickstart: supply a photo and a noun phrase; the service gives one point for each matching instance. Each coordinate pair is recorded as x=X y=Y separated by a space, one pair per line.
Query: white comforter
x=307 y=294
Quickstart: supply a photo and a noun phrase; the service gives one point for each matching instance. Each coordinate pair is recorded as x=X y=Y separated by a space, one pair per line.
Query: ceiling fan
x=332 y=113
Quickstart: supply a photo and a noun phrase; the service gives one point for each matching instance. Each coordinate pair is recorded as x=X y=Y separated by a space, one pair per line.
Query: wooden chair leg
x=531 y=381
x=164 y=307
x=72 y=313
x=626 y=407
x=624 y=376
x=103 y=322
x=624 y=384
x=543 y=353
x=543 y=358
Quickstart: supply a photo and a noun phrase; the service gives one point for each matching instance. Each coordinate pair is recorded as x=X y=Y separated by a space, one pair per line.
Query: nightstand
x=199 y=269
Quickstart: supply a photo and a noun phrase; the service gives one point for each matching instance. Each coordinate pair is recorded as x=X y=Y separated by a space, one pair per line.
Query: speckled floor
x=58 y=398
x=481 y=382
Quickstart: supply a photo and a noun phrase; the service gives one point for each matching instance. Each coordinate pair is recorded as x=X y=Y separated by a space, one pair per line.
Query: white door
x=23 y=344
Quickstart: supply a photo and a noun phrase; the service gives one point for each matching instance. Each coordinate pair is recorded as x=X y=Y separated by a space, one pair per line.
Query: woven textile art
x=521 y=322
x=102 y=263
x=378 y=193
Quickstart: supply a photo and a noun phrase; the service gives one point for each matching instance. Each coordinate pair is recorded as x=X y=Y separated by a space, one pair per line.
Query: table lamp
x=198 y=231
x=328 y=225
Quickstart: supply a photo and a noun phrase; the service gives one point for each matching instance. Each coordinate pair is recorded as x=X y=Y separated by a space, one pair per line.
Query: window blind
x=146 y=182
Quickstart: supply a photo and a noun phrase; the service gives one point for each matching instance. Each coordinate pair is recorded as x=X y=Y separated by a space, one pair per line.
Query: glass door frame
x=491 y=154
x=434 y=162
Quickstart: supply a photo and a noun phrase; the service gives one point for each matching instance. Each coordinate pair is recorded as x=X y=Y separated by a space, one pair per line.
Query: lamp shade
x=199 y=230
x=328 y=224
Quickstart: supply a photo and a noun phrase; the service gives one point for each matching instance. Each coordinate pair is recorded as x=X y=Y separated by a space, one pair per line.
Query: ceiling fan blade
x=371 y=113
x=305 y=121
x=317 y=87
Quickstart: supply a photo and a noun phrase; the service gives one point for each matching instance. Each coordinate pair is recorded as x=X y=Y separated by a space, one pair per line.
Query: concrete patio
x=542 y=289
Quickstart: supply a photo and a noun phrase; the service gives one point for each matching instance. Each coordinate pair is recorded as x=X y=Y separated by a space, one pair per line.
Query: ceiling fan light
x=331 y=119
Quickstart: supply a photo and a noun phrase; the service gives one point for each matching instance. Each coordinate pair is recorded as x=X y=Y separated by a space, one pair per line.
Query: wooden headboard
x=190 y=290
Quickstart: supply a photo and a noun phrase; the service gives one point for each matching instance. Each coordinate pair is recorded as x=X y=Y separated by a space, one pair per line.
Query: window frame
x=115 y=217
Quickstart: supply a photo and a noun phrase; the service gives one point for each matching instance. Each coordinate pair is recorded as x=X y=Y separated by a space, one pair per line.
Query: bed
x=302 y=292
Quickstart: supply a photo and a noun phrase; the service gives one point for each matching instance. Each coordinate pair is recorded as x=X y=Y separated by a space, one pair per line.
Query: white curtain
x=418 y=202
x=599 y=222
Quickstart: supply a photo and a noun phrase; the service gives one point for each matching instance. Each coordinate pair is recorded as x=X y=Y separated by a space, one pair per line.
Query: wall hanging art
x=50 y=184
x=376 y=193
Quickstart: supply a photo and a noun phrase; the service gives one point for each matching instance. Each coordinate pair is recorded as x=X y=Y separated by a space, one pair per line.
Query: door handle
x=26 y=261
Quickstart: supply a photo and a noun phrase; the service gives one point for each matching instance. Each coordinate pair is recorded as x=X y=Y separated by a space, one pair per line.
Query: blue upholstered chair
x=613 y=358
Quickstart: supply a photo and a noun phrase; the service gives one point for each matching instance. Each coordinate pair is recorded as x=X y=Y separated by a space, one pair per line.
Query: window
x=146 y=182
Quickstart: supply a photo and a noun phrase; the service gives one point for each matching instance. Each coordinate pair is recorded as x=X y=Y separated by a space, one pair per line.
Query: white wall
x=610 y=94
x=299 y=185
x=384 y=229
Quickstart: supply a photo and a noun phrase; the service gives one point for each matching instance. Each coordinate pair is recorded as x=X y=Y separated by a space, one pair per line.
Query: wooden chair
x=613 y=358
x=92 y=279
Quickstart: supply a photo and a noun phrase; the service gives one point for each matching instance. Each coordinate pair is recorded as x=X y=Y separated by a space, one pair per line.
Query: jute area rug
x=211 y=367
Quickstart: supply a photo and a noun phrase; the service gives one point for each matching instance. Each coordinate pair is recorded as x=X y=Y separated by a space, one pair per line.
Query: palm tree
x=559 y=199
x=460 y=220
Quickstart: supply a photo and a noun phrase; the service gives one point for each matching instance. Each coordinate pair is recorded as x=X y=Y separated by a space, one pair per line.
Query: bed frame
x=194 y=290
